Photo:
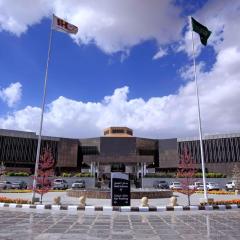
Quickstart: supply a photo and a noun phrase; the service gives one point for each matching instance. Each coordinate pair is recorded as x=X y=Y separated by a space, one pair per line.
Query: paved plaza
x=29 y=224
x=182 y=199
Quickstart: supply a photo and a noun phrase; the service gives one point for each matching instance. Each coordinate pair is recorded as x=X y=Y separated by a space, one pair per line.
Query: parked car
x=5 y=185
x=212 y=186
x=230 y=186
x=78 y=184
x=175 y=186
x=161 y=185
x=197 y=186
x=19 y=185
x=60 y=184
x=47 y=184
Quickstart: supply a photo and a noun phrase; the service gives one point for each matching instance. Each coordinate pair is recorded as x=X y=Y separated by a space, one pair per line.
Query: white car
x=5 y=185
x=60 y=184
x=197 y=186
x=78 y=184
x=212 y=186
x=230 y=186
x=175 y=186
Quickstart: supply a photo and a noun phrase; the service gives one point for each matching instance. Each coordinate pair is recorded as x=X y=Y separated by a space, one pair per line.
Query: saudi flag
x=203 y=31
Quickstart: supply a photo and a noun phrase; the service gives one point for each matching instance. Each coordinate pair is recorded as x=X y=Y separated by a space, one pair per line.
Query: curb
x=75 y=208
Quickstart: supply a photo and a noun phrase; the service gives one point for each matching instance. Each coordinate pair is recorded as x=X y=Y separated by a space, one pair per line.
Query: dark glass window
x=117 y=131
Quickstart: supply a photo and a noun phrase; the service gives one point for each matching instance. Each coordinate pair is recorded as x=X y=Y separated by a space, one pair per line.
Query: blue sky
x=85 y=72
x=107 y=74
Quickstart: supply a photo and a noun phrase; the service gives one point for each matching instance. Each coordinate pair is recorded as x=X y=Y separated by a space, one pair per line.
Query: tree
x=45 y=171
x=236 y=176
x=186 y=171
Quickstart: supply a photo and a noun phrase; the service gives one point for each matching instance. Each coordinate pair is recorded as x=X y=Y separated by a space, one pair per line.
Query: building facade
x=221 y=152
x=118 y=149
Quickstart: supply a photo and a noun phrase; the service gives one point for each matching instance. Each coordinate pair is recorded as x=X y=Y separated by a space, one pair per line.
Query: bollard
x=82 y=201
x=144 y=202
x=57 y=200
x=173 y=201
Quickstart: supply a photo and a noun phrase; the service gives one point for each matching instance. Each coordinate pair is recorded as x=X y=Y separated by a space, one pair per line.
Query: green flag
x=203 y=31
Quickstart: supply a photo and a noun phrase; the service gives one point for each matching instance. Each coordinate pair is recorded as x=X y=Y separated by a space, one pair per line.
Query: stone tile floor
x=28 y=224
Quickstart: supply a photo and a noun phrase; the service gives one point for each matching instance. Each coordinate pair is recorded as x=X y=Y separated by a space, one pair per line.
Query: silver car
x=19 y=185
x=175 y=186
x=78 y=184
x=5 y=185
x=212 y=186
x=60 y=184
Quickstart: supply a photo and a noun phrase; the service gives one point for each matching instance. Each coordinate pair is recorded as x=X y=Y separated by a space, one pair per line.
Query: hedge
x=211 y=175
x=17 y=174
x=174 y=175
x=76 y=175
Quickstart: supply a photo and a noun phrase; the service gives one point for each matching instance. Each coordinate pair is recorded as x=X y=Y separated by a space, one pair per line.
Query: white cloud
x=110 y=24
x=12 y=94
x=161 y=53
x=159 y=117
x=222 y=18
x=187 y=72
x=116 y=26
x=17 y=16
x=185 y=44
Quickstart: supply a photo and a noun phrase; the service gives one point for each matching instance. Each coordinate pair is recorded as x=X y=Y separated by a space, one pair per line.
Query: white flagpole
x=42 y=112
x=199 y=118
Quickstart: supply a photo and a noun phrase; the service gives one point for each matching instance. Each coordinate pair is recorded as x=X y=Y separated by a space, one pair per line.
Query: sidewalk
x=182 y=199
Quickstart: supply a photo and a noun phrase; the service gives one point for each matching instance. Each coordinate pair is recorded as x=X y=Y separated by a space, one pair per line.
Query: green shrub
x=160 y=175
x=211 y=175
x=66 y=174
x=198 y=175
x=173 y=175
x=17 y=174
x=83 y=175
x=215 y=175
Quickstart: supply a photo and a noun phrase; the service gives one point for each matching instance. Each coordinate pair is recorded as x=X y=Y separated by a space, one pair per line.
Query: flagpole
x=199 y=118
x=42 y=112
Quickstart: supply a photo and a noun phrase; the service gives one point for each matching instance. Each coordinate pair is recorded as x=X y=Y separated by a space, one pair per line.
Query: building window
x=129 y=132
x=118 y=167
x=89 y=150
x=106 y=132
x=117 y=131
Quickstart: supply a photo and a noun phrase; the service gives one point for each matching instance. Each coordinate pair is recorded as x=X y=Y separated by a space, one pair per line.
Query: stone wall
x=105 y=194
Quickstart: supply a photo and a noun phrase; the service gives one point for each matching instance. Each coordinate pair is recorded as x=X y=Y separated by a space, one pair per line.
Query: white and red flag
x=63 y=26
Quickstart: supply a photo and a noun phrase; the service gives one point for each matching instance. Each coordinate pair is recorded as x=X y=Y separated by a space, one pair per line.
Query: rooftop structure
x=118 y=132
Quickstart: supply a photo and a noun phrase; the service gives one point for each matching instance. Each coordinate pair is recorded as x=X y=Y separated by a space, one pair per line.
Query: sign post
x=120 y=189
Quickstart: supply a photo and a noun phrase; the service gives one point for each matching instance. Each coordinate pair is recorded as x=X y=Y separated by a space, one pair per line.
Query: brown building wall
x=118 y=159
x=219 y=167
x=146 y=144
x=90 y=142
x=67 y=153
x=168 y=155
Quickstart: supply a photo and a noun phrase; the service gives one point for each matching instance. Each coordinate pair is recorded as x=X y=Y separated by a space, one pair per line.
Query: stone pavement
x=42 y=225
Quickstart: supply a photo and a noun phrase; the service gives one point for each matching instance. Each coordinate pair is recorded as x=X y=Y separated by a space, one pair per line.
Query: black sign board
x=120 y=189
